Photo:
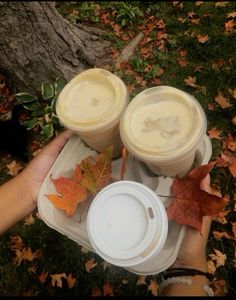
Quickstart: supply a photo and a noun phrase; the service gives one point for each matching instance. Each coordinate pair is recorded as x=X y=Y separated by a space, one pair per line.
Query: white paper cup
x=162 y=127
x=127 y=223
x=91 y=105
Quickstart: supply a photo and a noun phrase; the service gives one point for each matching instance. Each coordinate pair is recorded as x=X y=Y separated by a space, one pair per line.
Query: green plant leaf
x=34 y=106
x=48 y=130
x=59 y=85
x=47 y=90
x=25 y=98
x=31 y=123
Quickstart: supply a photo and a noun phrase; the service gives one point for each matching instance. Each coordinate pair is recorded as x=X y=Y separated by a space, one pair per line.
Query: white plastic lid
x=127 y=223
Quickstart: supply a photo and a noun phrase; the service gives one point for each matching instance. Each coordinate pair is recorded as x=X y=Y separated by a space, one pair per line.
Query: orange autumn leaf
x=222 y=101
x=43 y=277
x=214 y=133
x=219 y=257
x=153 y=287
x=221 y=234
x=14 y=168
x=230 y=25
x=190 y=202
x=90 y=264
x=71 y=281
x=71 y=192
x=97 y=171
x=190 y=81
x=56 y=279
x=108 y=289
x=202 y=38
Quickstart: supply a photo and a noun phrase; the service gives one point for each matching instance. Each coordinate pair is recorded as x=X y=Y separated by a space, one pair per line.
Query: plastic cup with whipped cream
x=91 y=105
x=162 y=127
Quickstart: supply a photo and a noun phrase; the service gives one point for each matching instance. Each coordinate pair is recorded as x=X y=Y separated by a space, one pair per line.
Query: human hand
x=40 y=165
x=192 y=253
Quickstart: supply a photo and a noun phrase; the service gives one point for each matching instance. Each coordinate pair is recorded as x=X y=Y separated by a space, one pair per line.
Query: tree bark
x=37 y=44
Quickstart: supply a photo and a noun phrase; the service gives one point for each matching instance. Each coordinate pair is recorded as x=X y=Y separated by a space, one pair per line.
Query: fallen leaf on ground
x=221 y=217
x=43 y=277
x=214 y=133
x=71 y=281
x=219 y=257
x=190 y=202
x=14 y=168
x=221 y=3
x=26 y=254
x=29 y=220
x=231 y=14
x=96 y=292
x=220 y=235
x=141 y=280
x=202 y=38
x=90 y=264
x=56 y=279
x=222 y=101
x=108 y=289
x=230 y=25
x=190 y=81
x=232 y=93
x=153 y=287
x=16 y=242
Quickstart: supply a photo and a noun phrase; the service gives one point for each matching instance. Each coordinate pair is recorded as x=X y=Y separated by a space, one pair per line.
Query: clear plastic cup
x=162 y=127
x=91 y=105
x=127 y=223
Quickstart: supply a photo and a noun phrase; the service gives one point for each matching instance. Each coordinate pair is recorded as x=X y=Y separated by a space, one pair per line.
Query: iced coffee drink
x=91 y=104
x=162 y=126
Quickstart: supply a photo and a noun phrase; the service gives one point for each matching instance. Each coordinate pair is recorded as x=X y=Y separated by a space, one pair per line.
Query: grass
x=212 y=63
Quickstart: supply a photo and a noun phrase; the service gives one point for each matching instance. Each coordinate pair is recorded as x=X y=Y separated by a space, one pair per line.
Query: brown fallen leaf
x=43 y=277
x=202 y=38
x=190 y=81
x=108 y=289
x=141 y=280
x=231 y=14
x=230 y=26
x=29 y=220
x=221 y=3
x=14 y=168
x=90 y=264
x=190 y=202
x=222 y=101
x=211 y=268
x=219 y=257
x=95 y=292
x=153 y=287
x=71 y=281
x=56 y=279
x=26 y=254
x=220 y=235
x=214 y=133
x=16 y=242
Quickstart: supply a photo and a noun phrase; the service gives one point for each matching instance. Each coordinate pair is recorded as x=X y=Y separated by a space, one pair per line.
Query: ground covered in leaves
x=188 y=45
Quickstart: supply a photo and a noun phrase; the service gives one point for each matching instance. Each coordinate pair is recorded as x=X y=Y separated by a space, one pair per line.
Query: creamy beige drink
x=162 y=127
x=91 y=105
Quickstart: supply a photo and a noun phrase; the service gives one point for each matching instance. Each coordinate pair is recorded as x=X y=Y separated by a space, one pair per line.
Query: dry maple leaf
x=211 y=268
x=230 y=25
x=214 y=133
x=190 y=202
x=43 y=277
x=14 y=168
x=71 y=192
x=56 y=279
x=141 y=280
x=219 y=257
x=97 y=171
x=222 y=101
x=96 y=292
x=71 y=281
x=202 y=38
x=190 y=81
x=90 y=264
x=220 y=235
x=153 y=287
x=108 y=289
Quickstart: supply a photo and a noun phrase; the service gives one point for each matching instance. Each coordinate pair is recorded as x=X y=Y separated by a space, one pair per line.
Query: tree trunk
x=37 y=44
